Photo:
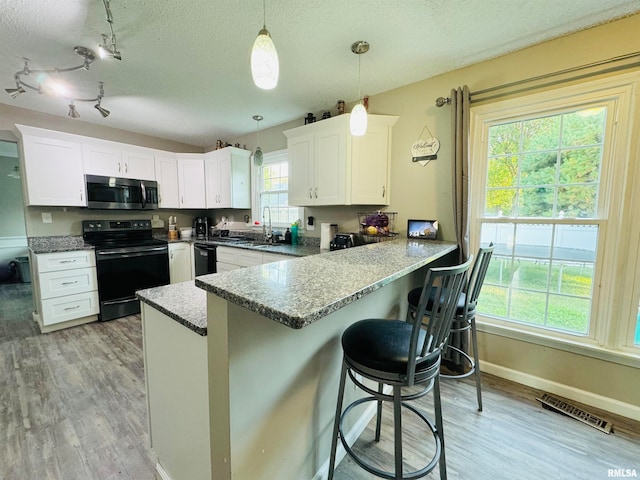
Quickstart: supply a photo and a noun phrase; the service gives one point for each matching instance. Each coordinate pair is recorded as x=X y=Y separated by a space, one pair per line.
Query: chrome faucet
x=268 y=232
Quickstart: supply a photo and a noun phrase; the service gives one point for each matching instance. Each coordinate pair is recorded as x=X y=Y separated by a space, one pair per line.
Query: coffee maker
x=200 y=227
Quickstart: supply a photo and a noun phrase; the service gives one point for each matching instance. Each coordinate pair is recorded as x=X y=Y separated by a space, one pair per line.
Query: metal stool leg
x=437 y=406
x=474 y=339
x=397 y=428
x=336 y=423
x=379 y=413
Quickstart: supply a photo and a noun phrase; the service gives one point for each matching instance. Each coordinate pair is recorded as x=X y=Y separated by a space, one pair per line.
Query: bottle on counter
x=294 y=234
x=287 y=237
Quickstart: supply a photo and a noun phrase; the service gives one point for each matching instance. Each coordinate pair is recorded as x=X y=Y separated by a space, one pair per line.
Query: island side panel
x=282 y=385
x=177 y=396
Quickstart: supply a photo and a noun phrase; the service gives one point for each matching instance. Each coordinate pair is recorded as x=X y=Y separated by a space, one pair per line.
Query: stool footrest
x=382 y=473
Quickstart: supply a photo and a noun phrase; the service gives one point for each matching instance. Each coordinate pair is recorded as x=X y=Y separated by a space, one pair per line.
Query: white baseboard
x=589 y=398
x=161 y=473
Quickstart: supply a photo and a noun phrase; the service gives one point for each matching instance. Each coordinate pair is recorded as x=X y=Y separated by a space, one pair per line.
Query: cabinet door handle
x=310 y=193
x=171 y=255
x=69 y=283
x=126 y=168
x=119 y=169
x=68 y=261
x=383 y=191
x=316 y=192
x=182 y=200
x=72 y=308
x=81 y=197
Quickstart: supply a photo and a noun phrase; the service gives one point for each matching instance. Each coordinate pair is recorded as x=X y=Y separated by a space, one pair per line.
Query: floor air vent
x=560 y=406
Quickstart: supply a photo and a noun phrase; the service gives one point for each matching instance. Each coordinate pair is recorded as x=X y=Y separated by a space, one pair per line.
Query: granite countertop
x=300 y=291
x=184 y=302
x=57 y=244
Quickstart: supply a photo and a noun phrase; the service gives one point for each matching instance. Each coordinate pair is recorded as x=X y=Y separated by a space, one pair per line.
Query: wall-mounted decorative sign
x=425 y=150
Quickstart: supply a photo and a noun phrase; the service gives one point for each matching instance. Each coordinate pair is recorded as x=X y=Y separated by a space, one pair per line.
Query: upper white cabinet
x=52 y=168
x=118 y=160
x=330 y=167
x=167 y=178
x=191 y=183
x=228 y=178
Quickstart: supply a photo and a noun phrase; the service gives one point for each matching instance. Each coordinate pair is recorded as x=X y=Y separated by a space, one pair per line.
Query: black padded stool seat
x=405 y=356
x=383 y=345
x=465 y=316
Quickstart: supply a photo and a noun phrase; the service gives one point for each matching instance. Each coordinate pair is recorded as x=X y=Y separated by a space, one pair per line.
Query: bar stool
x=465 y=318
x=401 y=354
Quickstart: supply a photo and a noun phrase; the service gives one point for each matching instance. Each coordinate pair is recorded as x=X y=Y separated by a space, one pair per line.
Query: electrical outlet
x=46 y=217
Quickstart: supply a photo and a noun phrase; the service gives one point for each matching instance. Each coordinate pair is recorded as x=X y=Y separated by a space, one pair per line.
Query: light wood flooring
x=72 y=407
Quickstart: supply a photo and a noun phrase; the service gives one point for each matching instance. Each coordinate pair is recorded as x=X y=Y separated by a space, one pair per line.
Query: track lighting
x=265 y=68
x=108 y=48
x=257 y=156
x=51 y=82
x=358 y=120
x=73 y=113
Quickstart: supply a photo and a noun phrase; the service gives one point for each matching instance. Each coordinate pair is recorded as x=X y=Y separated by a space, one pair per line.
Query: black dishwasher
x=205 y=261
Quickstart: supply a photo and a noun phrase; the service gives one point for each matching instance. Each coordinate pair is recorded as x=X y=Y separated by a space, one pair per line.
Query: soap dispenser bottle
x=287 y=237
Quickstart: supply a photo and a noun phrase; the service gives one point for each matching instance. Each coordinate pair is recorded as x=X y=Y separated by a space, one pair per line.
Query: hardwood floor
x=72 y=403
x=72 y=407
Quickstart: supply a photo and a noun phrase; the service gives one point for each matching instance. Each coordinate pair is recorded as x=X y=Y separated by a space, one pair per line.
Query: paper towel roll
x=327 y=233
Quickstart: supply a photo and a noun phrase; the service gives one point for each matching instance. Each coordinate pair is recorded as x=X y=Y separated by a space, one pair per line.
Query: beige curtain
x=460 y=105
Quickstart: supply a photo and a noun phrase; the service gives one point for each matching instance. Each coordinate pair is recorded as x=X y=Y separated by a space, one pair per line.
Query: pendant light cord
x=359 y=57
x=264 y=13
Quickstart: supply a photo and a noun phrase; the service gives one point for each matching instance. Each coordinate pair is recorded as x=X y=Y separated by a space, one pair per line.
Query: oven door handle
x=124 y=253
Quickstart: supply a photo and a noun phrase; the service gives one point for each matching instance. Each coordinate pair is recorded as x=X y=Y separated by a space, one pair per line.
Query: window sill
x=629 y=359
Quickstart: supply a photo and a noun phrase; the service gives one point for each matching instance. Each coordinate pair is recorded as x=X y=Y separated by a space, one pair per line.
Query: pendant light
x=358 y=121
x=257 y=155
x=265 y=68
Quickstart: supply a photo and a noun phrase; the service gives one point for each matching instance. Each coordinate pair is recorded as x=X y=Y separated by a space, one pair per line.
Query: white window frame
x=610 y=327
x=256 y=184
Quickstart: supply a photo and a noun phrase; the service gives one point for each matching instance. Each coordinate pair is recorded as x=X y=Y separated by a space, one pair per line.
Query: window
x=272 y=190
x=541 y=171
x=545 y=192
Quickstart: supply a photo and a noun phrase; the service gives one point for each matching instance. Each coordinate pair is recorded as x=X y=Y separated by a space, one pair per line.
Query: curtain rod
x=441 y=101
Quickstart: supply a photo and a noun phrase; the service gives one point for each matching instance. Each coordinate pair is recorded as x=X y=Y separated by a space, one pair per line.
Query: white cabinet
x=191 y=183
x=113 y=159
x=327 y=166
x=167 y=178
x=180 y=262
x=138 y=163
x=52 y=169
x=65 y=289
x=227 y=173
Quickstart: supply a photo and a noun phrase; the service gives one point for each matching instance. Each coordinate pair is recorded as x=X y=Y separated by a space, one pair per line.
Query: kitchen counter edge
x=307 y=289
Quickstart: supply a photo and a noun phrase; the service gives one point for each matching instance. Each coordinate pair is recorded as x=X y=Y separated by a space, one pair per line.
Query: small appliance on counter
x=346 y=240
x=201 y=227
x=327 y=234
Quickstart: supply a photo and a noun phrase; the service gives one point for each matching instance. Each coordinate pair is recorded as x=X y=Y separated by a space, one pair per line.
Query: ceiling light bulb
x=102 y=51
x=57 y=87
x=265 y=68
x=358 y=120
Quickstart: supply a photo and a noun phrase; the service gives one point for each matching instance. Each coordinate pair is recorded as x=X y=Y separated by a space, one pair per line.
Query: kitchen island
x=259 y=389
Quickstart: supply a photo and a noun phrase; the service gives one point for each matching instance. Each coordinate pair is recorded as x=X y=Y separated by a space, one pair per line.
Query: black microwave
x=121 y=193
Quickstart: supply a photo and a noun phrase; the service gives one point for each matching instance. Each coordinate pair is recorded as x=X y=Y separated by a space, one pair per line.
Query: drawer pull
x=72 y=308
x=70 y=283
x=68 y=261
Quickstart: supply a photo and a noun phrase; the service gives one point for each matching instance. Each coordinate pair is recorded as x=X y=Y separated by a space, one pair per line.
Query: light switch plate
x=46 y=217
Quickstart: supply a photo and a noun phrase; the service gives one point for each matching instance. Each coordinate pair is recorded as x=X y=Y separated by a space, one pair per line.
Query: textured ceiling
x=185 y=71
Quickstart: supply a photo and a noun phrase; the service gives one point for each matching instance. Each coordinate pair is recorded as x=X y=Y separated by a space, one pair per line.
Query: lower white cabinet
x=65 y=289
x=180 y=262
x=229 y=258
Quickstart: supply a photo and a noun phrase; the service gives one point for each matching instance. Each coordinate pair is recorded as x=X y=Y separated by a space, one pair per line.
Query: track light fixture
x=49 y=82
x=73 y=113
x=108 y=48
